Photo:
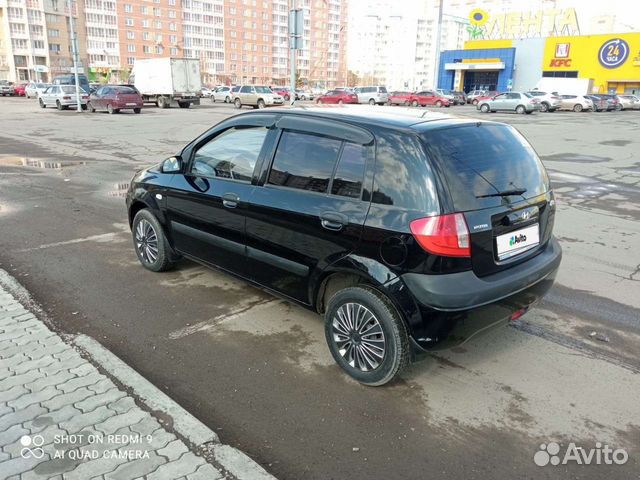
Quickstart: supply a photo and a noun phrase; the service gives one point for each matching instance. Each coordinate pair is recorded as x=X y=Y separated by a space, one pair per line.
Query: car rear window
x=125 y=90
x=483 y=159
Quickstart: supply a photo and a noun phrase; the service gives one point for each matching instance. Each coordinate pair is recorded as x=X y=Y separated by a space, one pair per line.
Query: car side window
x=347 y=181
x=245 y=89
x=232 y=154
x=513 y=96
x=304 y=161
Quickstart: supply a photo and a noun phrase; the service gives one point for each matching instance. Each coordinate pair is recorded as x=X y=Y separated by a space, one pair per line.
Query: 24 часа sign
x=613 y=53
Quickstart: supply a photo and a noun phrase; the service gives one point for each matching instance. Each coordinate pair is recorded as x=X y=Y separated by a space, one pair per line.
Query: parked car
x=400 y=98
x=577 y=103
x=484 y=96
x=19 y=89
x=419 y=262
x=549 y=102
x=206 y=92
x=629 y=102
x=7 y=88
x=600 y=104
x=113 y=98
x=473 y=94
x=285 y=93
x=305 y=94
x=511 y=102
x=428 y=98
x=33 y=89
x=222 y=94
x=448 y=94
x=70 y=79
x=256 y=96
x=373 y=95
x=459 y=98
x=612 y=99
x=62 y=97
x=338 y=96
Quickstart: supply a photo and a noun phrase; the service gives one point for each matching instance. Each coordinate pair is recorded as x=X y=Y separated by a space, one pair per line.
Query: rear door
x=307 y=211
x=480 y=161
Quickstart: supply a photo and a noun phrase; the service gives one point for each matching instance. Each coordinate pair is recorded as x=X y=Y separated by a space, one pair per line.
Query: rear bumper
x=457 y=306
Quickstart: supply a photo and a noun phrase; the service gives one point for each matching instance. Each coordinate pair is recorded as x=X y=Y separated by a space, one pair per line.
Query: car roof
x=396 y=118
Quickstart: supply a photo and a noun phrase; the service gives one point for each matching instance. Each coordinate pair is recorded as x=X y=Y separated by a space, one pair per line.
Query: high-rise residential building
x=203 y=36
x=236 y=41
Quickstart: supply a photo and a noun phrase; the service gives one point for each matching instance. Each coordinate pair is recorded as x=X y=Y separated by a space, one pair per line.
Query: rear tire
x=42 y=104
x=319 y=101
x=184 y=104
x=439 y=104
x=237 y=103
x=544 y=107
x=227 y=99
x=151 y=245
x=59 y=105
x=111 y=110
x=163 y=102
x=475 y=102
x=90 y=107
x=577 y=107
x=374 y=351
x=414 y=103
x=137 y=110
x=372 y=102
x=340 y=102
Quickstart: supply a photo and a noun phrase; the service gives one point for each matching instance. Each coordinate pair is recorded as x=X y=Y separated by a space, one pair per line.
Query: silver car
x=62 y=97
x=509 y=101
x=549 y=102
x=222 y=94
x=629 y=102
x=33 y=89
x=375 y=95
x=577 y=103
x=256 y=96
x=471 y=96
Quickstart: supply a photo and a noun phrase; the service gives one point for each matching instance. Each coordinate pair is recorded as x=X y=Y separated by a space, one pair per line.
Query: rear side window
x=125 y=90
x=304 y=161
x=347 y=181
x=382 y=89
x=483 y=160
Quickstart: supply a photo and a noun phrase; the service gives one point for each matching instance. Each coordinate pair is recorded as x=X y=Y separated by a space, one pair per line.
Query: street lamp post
x=74 y=52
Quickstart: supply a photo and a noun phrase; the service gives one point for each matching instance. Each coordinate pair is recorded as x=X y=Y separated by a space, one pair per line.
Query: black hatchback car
x=408 y=231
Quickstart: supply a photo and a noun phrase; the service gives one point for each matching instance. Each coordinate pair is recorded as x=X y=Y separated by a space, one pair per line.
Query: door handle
x=230 y=200
x=333 y=221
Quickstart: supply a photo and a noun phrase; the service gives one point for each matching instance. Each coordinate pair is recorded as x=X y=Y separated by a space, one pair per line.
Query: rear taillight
x=66 y=98
x=445 y=235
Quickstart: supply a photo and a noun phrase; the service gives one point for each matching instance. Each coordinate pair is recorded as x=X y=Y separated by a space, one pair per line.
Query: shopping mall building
x=607 y=63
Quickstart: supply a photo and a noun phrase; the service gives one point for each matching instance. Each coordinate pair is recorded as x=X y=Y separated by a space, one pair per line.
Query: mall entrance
x=480 y=80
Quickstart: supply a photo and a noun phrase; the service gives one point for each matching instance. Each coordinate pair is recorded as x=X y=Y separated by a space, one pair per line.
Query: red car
x=114 y=98
x=486 y=96
x=428 y=97
x=400 y=98
x=284 y=93
x=338 y=96
x=19 y=89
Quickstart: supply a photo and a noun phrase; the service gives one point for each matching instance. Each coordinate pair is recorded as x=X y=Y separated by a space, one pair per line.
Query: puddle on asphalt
x=18 y=161
x=575 y=158
x=120 y=190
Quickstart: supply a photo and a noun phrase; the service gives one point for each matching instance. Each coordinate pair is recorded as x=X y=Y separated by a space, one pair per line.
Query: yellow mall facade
x=608 y=63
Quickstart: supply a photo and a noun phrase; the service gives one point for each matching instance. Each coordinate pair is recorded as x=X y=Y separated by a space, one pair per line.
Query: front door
x=499 y=102
x=206 y=205
x=308 y=213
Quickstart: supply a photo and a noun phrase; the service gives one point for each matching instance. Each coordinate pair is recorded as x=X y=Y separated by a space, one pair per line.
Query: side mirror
x=172 y=165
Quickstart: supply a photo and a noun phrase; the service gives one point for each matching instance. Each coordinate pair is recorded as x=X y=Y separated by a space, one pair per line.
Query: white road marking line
x=104 y=237
x=212 y=322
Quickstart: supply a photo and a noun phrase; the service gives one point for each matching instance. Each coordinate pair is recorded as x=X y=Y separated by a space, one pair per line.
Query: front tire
x=91 y=108
x=484 y=108
x=137 y=110
x=42 y=104
x=366 y=336
x=111 y=110
x=520 y=109
x=340 y=102
x=414 y=103
x=439 y=104
x=261 y=104
x=150 y=243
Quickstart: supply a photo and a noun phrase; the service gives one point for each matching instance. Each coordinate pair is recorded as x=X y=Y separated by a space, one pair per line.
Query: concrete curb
x=235 y=462
x=189 y=427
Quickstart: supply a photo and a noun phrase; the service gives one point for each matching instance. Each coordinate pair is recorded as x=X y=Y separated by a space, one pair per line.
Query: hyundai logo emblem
x=525 y=215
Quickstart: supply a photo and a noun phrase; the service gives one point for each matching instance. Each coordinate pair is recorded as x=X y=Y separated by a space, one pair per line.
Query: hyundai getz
x=408 y=231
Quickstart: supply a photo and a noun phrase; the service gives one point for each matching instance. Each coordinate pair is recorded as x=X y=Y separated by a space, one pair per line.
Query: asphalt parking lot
x=257 y=368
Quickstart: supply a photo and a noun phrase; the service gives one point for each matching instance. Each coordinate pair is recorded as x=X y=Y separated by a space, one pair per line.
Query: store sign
x=552 y=22
x=613 y=53
x=560 y=62
x=562 y=50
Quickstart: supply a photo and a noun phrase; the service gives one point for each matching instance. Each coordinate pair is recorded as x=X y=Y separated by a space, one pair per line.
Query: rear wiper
x=504 y=193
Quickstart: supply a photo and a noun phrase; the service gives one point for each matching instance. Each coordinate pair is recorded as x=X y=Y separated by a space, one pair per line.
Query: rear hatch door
x=494 y=176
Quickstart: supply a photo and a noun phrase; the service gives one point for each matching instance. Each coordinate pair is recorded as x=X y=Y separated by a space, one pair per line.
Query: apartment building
x=56 y=14
x=203 y=36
